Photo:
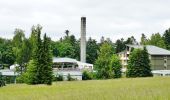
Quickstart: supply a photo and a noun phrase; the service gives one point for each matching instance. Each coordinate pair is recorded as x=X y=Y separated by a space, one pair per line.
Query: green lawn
x=157 y=88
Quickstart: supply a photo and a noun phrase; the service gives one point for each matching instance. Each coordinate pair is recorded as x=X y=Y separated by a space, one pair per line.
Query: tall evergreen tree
x=166 y=37
x=47 y=62
x=40 y=67
x=92 y=50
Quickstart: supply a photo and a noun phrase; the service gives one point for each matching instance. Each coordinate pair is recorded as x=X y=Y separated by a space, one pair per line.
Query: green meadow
x=156 y=88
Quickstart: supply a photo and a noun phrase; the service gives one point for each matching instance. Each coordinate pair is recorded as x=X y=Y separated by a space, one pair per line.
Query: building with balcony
x=159 y=57
x=65 y=66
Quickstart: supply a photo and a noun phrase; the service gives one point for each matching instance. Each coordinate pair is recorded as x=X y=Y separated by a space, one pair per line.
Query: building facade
x=159 y=57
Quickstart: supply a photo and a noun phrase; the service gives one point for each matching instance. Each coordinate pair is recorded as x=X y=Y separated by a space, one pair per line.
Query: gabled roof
x=152 y=50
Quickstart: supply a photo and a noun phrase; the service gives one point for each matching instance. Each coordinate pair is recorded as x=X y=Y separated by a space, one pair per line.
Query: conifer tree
x=40 y=67
x=47 y=62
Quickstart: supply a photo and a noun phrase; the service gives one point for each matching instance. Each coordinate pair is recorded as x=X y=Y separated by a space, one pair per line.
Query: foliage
x=102 y=64
x=157 y=40
x=92 y=51
x=86 y=75
x=40 y=67
x=120 y=46
x=21 y=49
x=166 y=38
x=21 y=79
x=7 y=56
x=2 y=82
x=144 y=40
x=116 y=66
x=139 y=64
x=59 y=78
x=46 y=69
x=31 y=73
x=66 y=47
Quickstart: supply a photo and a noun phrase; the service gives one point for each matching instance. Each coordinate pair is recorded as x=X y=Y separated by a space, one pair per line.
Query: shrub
x=59 y=78
x=21 y=79
x=2 y=82
x=87 y=75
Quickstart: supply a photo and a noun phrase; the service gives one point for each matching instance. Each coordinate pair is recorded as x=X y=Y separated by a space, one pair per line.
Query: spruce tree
x=33 y=72
x=40 y=67
x=47 y=62
x=146 y=63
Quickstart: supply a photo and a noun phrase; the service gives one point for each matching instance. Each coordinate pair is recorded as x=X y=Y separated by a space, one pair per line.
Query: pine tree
x=47 y=62
x=40 y=67
x=33 y=74
x=146 y=63
x=166 y=37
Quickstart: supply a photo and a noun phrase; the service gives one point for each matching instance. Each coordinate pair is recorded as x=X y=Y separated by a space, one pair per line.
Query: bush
x=20 y=79
x=87 y=75
x=2 y=82
x=59 y=78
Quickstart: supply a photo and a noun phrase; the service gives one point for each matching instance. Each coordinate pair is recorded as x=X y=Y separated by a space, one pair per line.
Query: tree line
x=33 y=52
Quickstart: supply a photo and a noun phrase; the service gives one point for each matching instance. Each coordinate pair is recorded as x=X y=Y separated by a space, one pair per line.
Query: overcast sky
x=109 y=18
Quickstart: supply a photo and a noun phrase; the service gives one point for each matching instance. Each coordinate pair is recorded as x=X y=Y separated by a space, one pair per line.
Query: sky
x=112 y=19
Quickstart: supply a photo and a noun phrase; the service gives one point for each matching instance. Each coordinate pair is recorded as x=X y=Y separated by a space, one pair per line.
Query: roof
x=59 y=60
x=8 y=72
x=70 y=60
x=161 y=71
x=152 y=50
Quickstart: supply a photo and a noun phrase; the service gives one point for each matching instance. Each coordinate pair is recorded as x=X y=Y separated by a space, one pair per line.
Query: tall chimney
x=83 y=40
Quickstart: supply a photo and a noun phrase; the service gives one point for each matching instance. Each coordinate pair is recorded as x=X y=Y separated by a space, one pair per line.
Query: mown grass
x=157 y=88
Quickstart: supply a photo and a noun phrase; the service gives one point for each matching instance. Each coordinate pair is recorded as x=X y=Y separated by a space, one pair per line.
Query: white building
x=65 y=66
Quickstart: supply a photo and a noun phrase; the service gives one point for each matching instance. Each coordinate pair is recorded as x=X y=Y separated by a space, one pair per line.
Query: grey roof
x=153 y=50
x=8 y=72
x=60 y=60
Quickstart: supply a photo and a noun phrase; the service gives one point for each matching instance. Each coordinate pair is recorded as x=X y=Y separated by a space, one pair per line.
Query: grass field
x=157 y=88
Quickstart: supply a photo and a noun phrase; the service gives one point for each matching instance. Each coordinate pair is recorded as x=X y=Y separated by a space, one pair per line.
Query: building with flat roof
x=65 y=66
